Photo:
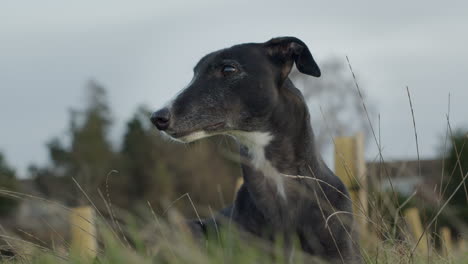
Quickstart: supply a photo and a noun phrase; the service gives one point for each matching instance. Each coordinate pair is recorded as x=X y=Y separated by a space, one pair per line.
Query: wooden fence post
x=350 y=167
x=414 y=222
x=83 y=232
x=446 y=239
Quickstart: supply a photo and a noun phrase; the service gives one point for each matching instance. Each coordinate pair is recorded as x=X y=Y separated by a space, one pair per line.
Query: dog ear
x=284 y=51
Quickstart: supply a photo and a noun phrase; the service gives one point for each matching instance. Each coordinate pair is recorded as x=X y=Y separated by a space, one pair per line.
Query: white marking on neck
x=256 y=143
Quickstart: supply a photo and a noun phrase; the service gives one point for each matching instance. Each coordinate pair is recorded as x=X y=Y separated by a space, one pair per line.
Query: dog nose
x=161 y=118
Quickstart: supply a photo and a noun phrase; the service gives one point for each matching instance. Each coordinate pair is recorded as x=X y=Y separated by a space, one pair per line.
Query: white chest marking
x=256 y=143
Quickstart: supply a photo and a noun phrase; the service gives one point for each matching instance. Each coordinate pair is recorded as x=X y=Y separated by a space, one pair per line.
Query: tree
x=335 y=94
x=8 y=182
x=456 y=168
x=143 y=173
x=89 y=156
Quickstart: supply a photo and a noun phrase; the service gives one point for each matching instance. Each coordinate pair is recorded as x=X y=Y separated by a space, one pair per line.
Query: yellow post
x=361 y=173
x=350 y=167
x=83 y=232
x=446 y=238
x=345 y=163
x=416 y=228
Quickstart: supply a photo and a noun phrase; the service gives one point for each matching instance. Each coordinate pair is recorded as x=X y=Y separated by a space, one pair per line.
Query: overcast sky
x=144 y=51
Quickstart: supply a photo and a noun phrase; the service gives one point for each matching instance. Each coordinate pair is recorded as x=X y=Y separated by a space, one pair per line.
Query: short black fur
x=288 y=190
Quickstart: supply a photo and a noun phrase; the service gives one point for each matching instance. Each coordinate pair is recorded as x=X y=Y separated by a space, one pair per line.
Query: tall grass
x=163 y=237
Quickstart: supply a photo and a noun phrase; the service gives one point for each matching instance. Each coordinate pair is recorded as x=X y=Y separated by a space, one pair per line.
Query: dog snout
x=161 y=118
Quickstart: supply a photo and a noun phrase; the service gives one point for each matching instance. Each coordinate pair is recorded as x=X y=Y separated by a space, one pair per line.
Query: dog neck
x=292 y=149
x=286 y=147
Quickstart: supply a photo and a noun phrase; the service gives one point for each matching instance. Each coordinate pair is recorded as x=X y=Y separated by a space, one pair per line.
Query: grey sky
x=144 y=53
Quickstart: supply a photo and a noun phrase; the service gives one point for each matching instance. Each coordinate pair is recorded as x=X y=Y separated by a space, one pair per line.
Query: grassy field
x=164 y=238
x=175 y=247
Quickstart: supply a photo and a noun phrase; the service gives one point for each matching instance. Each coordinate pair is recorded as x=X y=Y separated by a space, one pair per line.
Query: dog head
x=234 y=89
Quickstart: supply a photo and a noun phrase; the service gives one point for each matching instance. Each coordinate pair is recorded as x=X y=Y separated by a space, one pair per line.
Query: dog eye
x=228 y=69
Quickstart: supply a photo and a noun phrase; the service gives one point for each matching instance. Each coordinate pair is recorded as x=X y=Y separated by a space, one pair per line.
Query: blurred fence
x=350 y=166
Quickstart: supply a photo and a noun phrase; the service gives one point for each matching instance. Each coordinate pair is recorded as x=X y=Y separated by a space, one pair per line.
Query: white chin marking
x=193 y=137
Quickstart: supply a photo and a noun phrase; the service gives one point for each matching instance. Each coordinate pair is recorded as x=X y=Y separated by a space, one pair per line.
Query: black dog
x=244 y=91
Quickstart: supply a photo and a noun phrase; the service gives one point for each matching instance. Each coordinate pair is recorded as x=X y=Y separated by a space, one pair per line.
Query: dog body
x=288 y=191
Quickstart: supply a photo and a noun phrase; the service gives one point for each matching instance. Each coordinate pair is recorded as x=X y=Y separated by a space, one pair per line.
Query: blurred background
x=79 y=80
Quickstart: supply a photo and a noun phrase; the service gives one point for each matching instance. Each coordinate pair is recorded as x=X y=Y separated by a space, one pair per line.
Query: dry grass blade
x=32 y=236
x=109 y=206
x=215 y=224
x=415 y=130
x=94 y=206
x=114 y=221
x=191 y=203
x=439 y=211
x=160 y=227
x=329 y=230
x=9 y=244
x=42 y=248
x=399 y=210
x=372 y=130
x=349 y=174
x=60 y=236
x=445 y=148
x=458 y=153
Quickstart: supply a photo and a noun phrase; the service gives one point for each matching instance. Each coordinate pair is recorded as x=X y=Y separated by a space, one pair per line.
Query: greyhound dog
x=288 y=191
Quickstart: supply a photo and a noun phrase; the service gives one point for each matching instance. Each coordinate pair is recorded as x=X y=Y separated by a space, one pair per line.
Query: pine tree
x=89 y=156
x=8 y=182
x=456 y=169
x=143 y=168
